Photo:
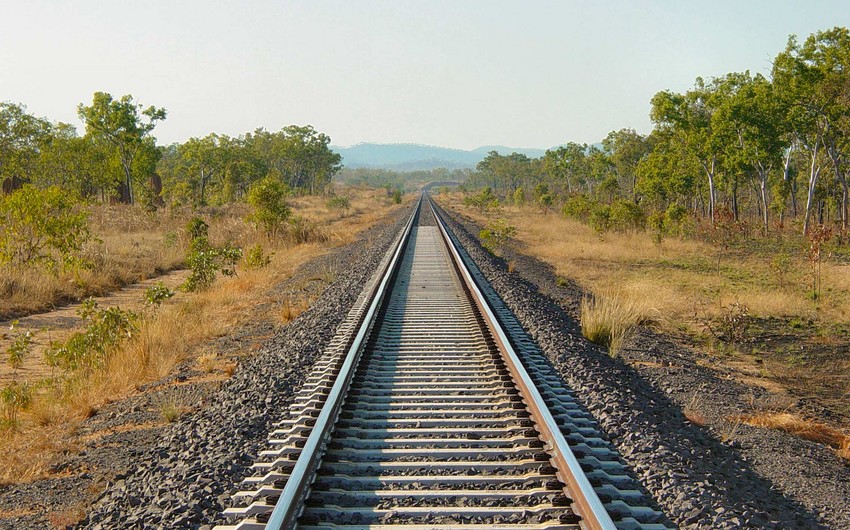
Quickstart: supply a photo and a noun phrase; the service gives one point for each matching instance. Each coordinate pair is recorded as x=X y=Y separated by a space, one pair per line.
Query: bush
x=484 y=201
x=496 y=235
x=626 y=215
x=339 y=202
x=42 y=226
x=157 y=293
x=206 y=261
x=256 y=258
x=519 y=196
x=18 y=349
x=578 y=207
x=90 y=348
x=600 y=217
x=14 y=398
x=396 y=196
x=196 y=228
x=268 y=197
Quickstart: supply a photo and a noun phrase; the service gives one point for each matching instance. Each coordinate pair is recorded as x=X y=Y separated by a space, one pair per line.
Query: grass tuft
x=609 y=319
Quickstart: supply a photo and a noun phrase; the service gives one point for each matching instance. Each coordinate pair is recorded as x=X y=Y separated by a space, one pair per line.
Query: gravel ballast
x=186 y=480
x=756 y=478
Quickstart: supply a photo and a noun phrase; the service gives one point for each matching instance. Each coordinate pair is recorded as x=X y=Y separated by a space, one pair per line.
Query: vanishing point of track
x=429 y=410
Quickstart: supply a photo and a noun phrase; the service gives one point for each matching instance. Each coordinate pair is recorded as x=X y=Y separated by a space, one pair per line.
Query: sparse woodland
x=727 y=226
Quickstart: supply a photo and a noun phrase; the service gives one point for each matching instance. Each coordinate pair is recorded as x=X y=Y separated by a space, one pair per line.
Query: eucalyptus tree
x=204 y=159
x=125 y=125
x=748 y=120
x=625 y=149
x=567 y=166
x=688 y=119
x=812 y=82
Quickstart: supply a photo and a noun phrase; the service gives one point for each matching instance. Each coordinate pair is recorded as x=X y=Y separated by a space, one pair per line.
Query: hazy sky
x=451 y=73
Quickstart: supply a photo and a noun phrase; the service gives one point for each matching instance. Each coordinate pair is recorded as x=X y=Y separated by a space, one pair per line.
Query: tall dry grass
x=683 y=278
x=177 y=332
x=609 y=318
x=804 y=428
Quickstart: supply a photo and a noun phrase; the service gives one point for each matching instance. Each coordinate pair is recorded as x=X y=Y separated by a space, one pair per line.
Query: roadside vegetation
x=726 y=227
x=118 y=350
x=84 y=214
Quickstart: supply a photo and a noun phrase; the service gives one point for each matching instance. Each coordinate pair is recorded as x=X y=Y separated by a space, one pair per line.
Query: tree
x=812 y=83
x=625 y=149
x=42 y=226
x=749 y=122
x=688 y=118
x=205 y=158
x=21 y=139
x=125 y=125
x=268 y=197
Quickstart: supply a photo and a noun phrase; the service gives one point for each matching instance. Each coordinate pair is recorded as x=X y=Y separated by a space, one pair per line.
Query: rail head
x=291 y=502
x=589 y=506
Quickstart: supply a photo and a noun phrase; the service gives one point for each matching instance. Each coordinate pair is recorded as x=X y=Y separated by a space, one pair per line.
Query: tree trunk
x=763 y=193
x=814 y=172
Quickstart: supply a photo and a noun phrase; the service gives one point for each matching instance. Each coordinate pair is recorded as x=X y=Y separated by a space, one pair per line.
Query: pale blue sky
x=455 y=74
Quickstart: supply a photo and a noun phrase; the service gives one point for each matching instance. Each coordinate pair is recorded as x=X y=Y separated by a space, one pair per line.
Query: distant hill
x=411 y=157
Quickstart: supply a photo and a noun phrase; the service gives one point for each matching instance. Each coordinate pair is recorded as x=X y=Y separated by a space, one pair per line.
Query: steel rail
x=588 y=505
x=291 y=502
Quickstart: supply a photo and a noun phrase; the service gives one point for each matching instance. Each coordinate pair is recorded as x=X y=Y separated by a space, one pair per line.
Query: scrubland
x=40 y=424
x=746 y=305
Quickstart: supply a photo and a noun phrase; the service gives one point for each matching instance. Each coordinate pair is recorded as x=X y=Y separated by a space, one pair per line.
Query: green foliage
x=339 y=202
x=256 y=258
x=14 y=398
x=519 y=196
x=497 y=233
x=42 y=226
x=542 y=196
x=578 y=207
x=625 y=216
x=268 y=197
x=396 y=196
x=206 y=261
x=197 y=228
x=105 y=330
x=157 y=293
x=20 y=347
x=484 y=200
x=600 y=217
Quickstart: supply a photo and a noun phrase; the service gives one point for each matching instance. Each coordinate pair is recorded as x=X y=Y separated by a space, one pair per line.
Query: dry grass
x=802 y=427
x=682 y=277
x=178 y=331
x=609 y=318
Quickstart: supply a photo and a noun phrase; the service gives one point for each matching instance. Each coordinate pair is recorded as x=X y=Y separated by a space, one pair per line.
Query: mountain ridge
x=410 y=157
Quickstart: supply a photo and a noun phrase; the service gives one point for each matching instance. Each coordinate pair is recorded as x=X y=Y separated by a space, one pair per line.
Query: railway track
x=432 y=409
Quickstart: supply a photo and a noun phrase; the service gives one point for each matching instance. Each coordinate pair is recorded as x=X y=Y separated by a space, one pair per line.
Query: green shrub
x=88 y=349
x=497 y=233
x=600 y=217
x=268 y=198
x=578 y=207
x=484 y=200
x=519 y=196
x=196 y=228
x=626 y=215
x=677 y=220
x=256 y=258
x=42 y=226
x=14 y=398
x=206 y=261
x=396 y=196
x=157 y=293
x=19 y=348
x=339 y=202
